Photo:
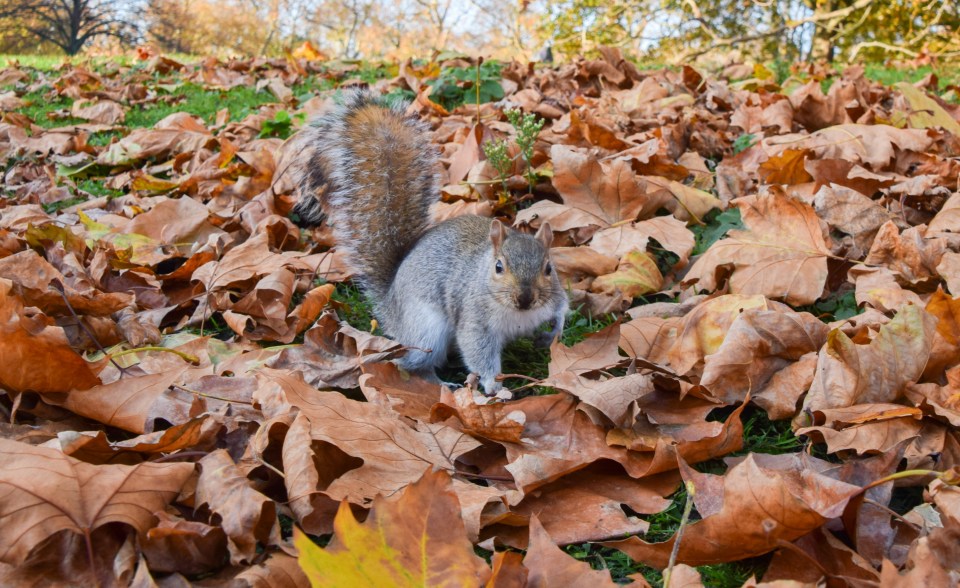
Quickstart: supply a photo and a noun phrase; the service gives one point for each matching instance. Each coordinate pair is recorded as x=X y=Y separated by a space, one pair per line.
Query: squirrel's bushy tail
x=372 y=171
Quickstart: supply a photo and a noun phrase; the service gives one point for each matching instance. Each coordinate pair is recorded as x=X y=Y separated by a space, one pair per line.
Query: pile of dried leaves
x=140 y=450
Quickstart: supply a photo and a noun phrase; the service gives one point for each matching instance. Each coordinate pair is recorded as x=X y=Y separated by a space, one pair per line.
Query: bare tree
x=69 y=24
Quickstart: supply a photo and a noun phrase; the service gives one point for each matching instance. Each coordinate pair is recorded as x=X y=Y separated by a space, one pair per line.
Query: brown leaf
x=394 y=453
x=910 y=254
x=332 y=354
x=586 y=506
x=758 y=344
x=95 y=448
x=781 y=255
x=245 y=515
x=36 y=355
x=105 y=112
x=182 y=546
x=853 y=213
x=787 y=167
x=636 y=275
x=549 y=566
x=848 y=373
x=46 y=492
x=176 y=133
x=748 y=511
x=601 y=195
x=416 y=539
x=864 y=427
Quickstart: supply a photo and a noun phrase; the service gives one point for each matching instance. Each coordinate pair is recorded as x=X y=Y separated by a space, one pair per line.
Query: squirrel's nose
x=524 y=299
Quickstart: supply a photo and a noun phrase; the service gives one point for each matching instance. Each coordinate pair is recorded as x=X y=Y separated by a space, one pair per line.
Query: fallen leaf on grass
x=549 y=566
x=417 y=539
x=758 y=344
x=393 y=452
x=245 y=515
x=36 y=355
x=46 y=492
x=748 y=511
x=781 y=255
x=848 y=373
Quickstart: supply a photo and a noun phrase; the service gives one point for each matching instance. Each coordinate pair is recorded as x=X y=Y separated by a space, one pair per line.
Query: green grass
x=240 y=101
x=889 y=76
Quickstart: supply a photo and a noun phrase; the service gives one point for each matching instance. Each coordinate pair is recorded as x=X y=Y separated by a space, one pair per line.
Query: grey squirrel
x=468 y=281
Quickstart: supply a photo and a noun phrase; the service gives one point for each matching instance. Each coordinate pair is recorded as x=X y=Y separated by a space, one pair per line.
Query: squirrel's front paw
x=544 y=339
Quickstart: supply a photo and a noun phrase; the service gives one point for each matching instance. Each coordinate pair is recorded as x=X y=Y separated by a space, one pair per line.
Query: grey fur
x=431 y=288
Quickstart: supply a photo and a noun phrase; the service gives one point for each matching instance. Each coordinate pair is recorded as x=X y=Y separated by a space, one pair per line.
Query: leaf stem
x=687 y=508
x=193 y=359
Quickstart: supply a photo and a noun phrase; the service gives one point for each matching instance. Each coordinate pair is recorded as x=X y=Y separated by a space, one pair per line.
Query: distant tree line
x=667 y=30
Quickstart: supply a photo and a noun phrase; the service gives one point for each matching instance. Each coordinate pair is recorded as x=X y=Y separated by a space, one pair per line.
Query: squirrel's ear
x=544 y=235
x=497 y=234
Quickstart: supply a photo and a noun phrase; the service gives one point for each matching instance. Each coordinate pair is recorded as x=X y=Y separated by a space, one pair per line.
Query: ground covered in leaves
x=763 y=364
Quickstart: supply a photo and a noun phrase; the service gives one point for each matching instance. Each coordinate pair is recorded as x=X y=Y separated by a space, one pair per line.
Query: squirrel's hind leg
x=429 y=335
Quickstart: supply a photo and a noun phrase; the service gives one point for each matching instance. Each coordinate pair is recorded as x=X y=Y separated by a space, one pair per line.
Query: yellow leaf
x=152 y=183
x=926 y=112
x=637 y=275
x=418 y=539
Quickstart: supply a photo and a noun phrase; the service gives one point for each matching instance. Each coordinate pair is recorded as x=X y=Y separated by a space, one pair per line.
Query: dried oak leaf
x=878 y=287
x=416 y=539
x=45 y=492
x=245 y=515
x=787 y=167
x=781 y=255
x=942 y=401
x=32 y=276
x=36 y=356
x=910 y=254
x=848 y=373
x=812 y=556
x=702 y=331
x=308 y=467
x=135 y=402
x=178 y=133
x=851 y=212
x=873 y=145
x=105 y=112
x=749 y=511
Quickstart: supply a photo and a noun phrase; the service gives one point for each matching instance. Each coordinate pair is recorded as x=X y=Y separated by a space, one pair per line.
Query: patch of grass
x=761 y=435
x=663 y=525
x=890 y=75
x=97 y=188
x=103 y=138
x=38 y=105
x=580 y=324
x=354 y=307
x=58 y=206
x=716 y=226
x=619 y=564
x=41 y=62
x=836 y=306
x=733 y=574
x=240 y=101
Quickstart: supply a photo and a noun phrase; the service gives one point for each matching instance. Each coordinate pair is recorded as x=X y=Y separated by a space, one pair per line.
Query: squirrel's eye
x=548 y=269
x=499 y=267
